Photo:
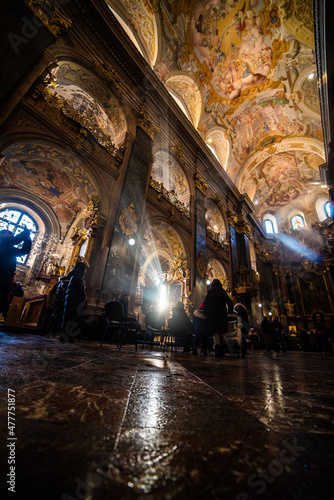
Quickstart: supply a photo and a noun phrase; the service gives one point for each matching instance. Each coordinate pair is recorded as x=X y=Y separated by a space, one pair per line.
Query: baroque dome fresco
x=244 y=74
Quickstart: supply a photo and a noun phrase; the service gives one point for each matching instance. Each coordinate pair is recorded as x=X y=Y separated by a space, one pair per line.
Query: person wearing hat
x=216 y=304
x=200 y=330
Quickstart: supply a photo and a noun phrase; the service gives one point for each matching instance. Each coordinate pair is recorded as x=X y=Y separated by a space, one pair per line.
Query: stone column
x=122 y=268
x=199 y=285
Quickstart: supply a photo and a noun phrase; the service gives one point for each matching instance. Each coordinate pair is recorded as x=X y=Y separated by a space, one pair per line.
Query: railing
x=215 y=236
x=169 y=196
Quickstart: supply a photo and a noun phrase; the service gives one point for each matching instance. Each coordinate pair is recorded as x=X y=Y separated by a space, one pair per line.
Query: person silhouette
x=11 y=247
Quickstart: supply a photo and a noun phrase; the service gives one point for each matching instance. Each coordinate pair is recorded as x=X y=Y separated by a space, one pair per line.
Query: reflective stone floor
x=100 y=424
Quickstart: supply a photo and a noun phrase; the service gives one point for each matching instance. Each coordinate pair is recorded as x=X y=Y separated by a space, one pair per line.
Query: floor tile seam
x=121 y=426
x=199 y=379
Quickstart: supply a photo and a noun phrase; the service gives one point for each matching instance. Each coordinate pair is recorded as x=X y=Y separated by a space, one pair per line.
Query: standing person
x=242 y=312
x=200 y=330
x=50 y=305
x=10 y=248
x=215 y=308
x=277 y=329
x=55 y=325
x=266 y=334
x=74 y=301
x=323 y=334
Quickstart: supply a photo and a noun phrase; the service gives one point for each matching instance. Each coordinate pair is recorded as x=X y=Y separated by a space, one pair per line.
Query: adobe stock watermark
x=30 y=27
x=94 y=480
x=275 y=468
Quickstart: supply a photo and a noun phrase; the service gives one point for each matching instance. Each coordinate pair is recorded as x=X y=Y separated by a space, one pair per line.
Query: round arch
x=94 y=105
x=185 y=89
x=139 y=21
x=166 y=169
x=54 y=180
x=306 y=144
x=219 y=145
x=215 y=270
x=215 y=219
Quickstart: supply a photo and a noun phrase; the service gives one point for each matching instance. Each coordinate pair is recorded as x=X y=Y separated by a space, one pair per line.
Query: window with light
x=328 y=208
x=269 y=226
x=297 y=222
x=14 y=220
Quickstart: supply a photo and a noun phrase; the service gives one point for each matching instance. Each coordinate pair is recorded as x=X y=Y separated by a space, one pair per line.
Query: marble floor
x=97 y=423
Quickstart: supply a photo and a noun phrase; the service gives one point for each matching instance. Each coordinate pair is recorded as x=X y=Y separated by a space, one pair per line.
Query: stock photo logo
x=259 y=481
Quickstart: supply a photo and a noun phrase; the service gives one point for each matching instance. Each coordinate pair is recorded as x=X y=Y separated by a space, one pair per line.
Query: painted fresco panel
x=45 y=178
x=230 y=41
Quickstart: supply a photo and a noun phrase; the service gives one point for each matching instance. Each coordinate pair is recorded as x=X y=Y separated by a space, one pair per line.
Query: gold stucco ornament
x=128 y=220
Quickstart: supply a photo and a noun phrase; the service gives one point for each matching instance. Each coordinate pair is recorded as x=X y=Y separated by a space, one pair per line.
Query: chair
x=114 y=318
x=119 y=325
x=180 y=332
x=155 y=322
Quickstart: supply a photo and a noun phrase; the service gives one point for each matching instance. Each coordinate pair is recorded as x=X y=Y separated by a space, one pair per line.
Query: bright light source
x=324 y=186
x=256 y=202
x=260 y=305
x=208 y=282
x=132 y=241
x=311 y=75
x=209 y=140
x=163 y=299
x=270 y=314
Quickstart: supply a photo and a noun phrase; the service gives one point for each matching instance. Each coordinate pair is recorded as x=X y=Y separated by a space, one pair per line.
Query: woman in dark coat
x=74 y=300
x=267 y=334
x=215 y=308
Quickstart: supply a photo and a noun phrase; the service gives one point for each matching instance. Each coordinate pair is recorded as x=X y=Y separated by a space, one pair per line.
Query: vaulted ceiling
x=244 y=74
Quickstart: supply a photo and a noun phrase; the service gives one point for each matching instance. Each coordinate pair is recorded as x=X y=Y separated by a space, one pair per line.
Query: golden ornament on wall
x=201 y=266
x=128 y=220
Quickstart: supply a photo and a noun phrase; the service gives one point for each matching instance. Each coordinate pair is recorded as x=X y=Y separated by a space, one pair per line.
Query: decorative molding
x=170 y=196
x=147 y=124
x=200 y=265
x=87 y=122
x=23 y=121
x=200 y=184
x=50 y=15
x=232 y=218
x=128 y=220
x=110 y=75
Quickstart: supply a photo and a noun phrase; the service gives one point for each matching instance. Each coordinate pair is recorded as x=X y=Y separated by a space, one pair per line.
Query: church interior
x=165 y=144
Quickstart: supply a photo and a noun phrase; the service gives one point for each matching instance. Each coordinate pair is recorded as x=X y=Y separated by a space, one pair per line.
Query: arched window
x=328 y=208
x=297 y=222
x=14 y=221
x=269 y=226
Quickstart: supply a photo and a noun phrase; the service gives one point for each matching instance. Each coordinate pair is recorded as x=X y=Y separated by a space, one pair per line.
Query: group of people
x=65 y=305
x=209 y=321
x=272 y=336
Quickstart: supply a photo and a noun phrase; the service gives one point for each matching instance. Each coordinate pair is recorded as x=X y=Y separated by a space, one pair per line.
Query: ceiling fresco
x=56 y=178
x=245 y=71
x=282 y=179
